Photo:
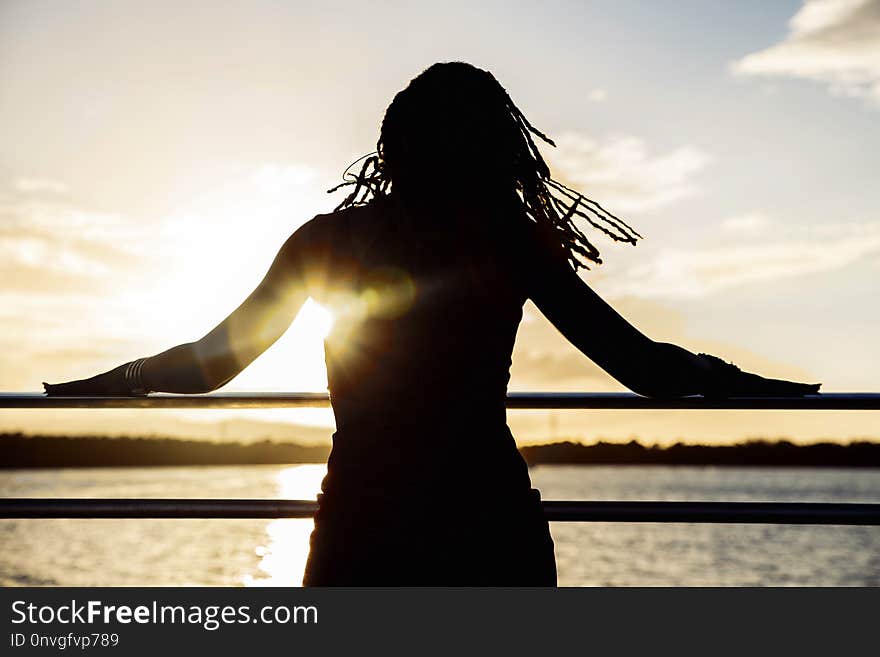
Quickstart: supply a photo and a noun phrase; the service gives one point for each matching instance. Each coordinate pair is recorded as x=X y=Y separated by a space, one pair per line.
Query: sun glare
x=316 y=321
x=296 y=361
x=293 y=364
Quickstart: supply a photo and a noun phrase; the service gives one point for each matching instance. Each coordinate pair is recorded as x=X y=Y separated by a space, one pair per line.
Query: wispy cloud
x=37 y=185
x=749 y=224
x=836 y=42
x=51 y=246
x=623 y=174
x=679 y=273
x=71 y=272
x=543 y=359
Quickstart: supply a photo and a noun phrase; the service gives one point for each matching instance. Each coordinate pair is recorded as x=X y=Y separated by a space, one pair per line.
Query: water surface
x=273 y=552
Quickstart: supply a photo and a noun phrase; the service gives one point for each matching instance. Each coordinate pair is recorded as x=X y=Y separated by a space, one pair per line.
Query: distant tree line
x=21 y=451
x=754 y=452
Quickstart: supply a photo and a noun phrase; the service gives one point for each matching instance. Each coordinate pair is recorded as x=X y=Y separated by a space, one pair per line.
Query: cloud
x=836 y=42
x=679 y=273
x=65 y=265
x=598 y=95
x=54 y=235
x=37 y=185
x=50 y=244
x=750 y=224
x=544 y=360
x=557 y=368
x=623 y=175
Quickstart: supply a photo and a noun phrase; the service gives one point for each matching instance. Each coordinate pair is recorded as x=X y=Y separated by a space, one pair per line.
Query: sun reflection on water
x=286 y=549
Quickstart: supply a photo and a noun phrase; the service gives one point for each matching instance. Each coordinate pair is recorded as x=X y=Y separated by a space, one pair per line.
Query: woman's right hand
x=110 y=384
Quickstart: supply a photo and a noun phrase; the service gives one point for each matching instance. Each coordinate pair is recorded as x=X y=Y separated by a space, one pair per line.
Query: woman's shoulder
x=339 y=235
x=343 y=222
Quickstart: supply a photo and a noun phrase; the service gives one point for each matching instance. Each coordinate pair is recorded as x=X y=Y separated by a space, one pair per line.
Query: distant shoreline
x=18 y=451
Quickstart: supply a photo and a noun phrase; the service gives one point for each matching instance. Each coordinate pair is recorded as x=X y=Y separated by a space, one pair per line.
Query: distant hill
x=21 y=451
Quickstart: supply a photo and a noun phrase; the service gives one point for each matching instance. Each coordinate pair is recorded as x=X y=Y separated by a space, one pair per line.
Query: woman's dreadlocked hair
x=455 y=126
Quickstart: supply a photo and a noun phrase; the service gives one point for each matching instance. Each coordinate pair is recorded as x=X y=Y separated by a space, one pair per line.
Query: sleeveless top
x=426 y=311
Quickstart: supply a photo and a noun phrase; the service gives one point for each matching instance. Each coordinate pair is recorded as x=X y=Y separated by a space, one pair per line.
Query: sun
x=210 y=261
x=295 y=363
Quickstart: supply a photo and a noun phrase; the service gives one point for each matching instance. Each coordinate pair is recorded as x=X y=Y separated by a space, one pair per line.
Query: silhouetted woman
x=448 y=229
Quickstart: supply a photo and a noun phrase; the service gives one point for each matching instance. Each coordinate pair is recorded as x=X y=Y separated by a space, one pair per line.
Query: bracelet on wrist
x=724 y=376
x=134 y=378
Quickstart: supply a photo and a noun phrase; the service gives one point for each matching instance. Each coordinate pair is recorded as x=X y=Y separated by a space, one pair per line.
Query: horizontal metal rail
x=807 y=513
x=797 y=513
x=837 y=401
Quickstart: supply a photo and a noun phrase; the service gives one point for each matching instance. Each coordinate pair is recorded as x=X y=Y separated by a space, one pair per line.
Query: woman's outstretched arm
x=649 y=368
x=225 y=351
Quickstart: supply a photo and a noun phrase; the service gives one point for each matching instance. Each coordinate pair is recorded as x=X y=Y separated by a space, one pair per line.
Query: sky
x=154 y=156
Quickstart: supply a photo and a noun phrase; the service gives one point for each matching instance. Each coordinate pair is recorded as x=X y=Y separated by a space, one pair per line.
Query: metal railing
x=571 y=511
x=835 y=401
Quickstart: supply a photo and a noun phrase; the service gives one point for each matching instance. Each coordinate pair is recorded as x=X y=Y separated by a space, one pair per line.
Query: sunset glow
x=146 y=189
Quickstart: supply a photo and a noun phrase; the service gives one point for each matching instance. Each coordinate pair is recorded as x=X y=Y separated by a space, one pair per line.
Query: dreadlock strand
x=567 y=190
x=593 y=217
x=624 y=232
x=617 y=237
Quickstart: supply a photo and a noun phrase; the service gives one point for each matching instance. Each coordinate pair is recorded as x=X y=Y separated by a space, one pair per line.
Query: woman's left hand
x=727 y=380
